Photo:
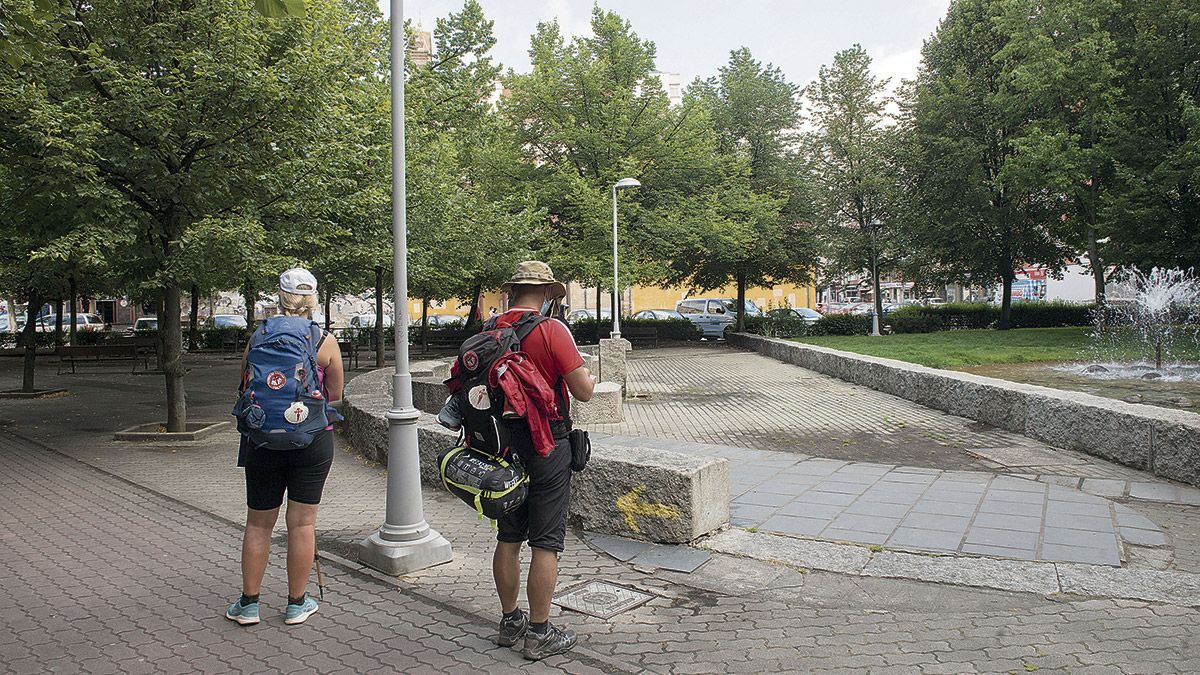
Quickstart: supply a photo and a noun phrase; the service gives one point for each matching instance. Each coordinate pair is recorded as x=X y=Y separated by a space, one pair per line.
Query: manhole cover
x=601 y=599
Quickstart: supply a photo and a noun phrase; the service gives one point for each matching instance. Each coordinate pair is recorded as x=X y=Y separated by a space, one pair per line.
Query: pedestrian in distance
x=542 y=519
x=291 y=380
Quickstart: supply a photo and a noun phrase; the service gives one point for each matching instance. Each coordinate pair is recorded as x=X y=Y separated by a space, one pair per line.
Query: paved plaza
x=121 y=557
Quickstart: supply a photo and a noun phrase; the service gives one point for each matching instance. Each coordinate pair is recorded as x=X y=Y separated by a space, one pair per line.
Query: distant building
x=672 y=86
x=420 y=50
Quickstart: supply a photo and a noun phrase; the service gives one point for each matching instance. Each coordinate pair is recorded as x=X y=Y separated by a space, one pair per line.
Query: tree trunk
x=12 y=315
x=170 y=343
x=475 y=317
x=58 y=331
x=1006 y=302
x=328 y=301
x=30 y=340
x=379 y=317
x=1097 y=274
x=875 y=290
x=249 y=296
x=424 y=324
x=74 y=291
x=193 y=319
x=598 y=314
x=741 y=301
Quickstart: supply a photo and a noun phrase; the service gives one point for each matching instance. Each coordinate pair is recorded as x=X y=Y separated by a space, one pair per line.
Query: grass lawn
x=959 y=348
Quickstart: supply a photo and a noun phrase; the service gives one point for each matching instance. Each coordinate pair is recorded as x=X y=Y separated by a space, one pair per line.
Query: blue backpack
x=281 y=406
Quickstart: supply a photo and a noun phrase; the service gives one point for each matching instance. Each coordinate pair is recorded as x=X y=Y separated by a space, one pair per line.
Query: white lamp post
x=876 y=303
x=623 y=183
x=405 y=542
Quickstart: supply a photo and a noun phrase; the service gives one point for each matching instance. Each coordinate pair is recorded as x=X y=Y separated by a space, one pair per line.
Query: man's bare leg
x=506 y=570
x=543 y=575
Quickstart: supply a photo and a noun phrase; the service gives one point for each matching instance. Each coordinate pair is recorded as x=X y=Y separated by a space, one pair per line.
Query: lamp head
x=627 y=183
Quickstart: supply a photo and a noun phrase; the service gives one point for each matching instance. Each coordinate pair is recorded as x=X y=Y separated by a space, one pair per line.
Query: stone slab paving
x=921 y=509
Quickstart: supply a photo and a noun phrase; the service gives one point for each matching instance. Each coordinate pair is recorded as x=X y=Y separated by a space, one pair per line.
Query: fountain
x=1148 y=314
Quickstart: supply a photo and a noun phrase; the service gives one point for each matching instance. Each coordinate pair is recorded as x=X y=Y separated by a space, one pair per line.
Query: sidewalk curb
x=1042 y=578
x=579 y=653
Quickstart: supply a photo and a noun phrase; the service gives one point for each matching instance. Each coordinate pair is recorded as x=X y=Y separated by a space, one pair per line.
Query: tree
x=969 y=212
x=1153 y=206
x=199 y=110
x=1061 y=70
x=754 y=109
x=853 y=151
x=590 y=113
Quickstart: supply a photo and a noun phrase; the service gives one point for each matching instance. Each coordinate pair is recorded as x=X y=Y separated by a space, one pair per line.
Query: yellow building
x=656 y=297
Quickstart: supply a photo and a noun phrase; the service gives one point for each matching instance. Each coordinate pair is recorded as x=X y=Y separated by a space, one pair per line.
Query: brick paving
x=730 y=615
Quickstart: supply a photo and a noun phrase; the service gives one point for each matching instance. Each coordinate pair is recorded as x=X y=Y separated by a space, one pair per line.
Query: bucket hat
x=535 y=273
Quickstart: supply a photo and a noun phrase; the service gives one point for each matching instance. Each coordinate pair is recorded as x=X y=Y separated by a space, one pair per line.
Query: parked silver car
x=713 y=315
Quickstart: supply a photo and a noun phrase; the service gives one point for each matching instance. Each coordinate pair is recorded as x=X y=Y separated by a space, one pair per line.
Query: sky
x=694 y=37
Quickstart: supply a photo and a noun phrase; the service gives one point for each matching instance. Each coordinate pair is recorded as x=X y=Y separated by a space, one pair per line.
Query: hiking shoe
x=246 y=616
x=554 y=641
x=512 y=630
x=295 y=614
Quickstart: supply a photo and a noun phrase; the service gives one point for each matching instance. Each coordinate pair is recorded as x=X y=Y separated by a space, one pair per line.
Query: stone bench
x=643 y=493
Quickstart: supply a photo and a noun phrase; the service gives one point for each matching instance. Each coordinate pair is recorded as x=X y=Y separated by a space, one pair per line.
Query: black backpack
x=481 y=406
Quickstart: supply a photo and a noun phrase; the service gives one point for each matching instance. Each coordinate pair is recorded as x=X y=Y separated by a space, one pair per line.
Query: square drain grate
x=601 y=599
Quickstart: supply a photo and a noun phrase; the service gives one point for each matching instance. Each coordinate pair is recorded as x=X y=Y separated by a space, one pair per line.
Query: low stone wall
x=642 y=493
x=1164 y=442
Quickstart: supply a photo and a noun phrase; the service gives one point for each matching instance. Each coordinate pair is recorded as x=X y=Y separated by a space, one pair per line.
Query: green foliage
x=956 y=349
x=669 y=330
x=793 y=327
x=965 y=316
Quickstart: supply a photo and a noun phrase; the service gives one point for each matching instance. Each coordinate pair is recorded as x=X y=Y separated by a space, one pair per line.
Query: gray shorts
x=542 y=519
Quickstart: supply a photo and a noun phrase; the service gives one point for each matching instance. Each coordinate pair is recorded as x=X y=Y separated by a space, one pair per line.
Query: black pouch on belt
x=581 y=449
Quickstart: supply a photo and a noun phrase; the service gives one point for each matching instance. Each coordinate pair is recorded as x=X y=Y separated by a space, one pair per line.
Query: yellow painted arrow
x=630 y=504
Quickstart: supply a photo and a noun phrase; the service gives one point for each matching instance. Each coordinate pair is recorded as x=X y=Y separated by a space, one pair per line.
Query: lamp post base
x=398 y=558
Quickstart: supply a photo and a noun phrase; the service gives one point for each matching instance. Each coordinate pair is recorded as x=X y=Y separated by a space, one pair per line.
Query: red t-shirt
x=551 y=348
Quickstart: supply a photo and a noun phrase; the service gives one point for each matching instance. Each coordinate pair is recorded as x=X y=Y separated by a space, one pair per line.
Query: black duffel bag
x=493 y=486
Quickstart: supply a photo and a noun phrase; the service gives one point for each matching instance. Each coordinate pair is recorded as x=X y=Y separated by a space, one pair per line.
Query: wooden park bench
x=146 y=346
x=444 y=339
x=97 y=354
x=641 y=335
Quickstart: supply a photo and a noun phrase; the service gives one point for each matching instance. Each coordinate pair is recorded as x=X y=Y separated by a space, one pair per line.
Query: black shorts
x=542 y=519
x=301 y=473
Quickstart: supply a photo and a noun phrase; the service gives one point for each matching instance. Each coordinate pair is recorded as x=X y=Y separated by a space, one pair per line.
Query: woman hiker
x=285 y=417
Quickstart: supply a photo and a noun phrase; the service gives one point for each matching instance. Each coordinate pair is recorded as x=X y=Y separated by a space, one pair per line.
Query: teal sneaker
x=246 y=616
x=299 y=613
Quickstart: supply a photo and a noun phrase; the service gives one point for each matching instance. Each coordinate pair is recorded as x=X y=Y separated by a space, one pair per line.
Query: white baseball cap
x=298 y=281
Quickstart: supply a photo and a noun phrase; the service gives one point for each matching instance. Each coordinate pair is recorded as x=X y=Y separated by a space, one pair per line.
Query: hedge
x=961 y=316
x=791 y=327
x=678 y=330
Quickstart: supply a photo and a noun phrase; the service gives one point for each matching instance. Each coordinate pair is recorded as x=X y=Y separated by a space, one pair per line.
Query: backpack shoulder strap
x=525 y=325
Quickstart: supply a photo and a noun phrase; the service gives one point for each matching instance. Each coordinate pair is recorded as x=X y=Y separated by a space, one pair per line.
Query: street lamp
x=876 y=301
x=405 y=542
x=623 y=183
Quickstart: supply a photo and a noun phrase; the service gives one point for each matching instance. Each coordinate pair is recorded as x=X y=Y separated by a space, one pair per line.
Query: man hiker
x=542 y=519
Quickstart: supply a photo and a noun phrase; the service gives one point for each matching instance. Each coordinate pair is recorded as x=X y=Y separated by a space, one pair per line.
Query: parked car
x=659 y=315
x=446 y=320
x=145 y=324
x=808 y=315
x=585 y=314
x=368 y=321
x=713 y=315
x=88 y=323
x=225 y=321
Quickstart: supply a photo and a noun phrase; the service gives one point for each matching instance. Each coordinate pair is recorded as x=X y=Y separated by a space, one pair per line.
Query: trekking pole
x=317 y=559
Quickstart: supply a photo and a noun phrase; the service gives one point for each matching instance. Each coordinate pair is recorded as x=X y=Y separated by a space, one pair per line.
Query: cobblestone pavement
x=731 y=615
x=722 y=396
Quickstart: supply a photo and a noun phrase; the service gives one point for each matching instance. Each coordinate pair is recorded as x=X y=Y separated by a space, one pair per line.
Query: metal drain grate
x=601 y=599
